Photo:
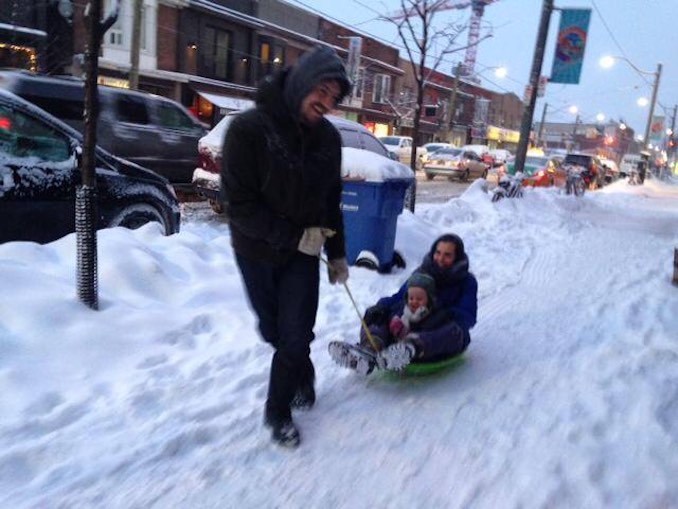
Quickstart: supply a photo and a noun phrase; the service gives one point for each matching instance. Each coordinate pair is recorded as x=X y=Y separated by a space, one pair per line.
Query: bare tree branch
x=418 y=34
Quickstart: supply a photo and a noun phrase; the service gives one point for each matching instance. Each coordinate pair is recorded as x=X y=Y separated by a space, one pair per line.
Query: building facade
x=211 y=54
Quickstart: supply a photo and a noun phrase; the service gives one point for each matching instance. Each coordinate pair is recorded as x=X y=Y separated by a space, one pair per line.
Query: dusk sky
x=642 y=31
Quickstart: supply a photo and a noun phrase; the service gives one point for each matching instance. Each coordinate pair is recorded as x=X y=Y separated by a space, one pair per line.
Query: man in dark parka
x=281 y=180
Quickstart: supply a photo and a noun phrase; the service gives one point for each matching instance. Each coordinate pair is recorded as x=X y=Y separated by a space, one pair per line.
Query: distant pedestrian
x=281 y=177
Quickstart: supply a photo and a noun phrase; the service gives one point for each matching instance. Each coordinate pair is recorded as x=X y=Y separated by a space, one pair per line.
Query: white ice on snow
x=568 y=395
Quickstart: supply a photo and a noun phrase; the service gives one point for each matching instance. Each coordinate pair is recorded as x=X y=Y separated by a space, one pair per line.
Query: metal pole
x=538 y=59
x=136 y=45
x=541 y=125
x=657 y=77
x=574 y=133
x=453 y=99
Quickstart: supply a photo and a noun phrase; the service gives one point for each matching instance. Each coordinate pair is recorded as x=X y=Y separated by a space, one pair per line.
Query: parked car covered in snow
x=431 y=148
x=40 y=171
x=207 y=178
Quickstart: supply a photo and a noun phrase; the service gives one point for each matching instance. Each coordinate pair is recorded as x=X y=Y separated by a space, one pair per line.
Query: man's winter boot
x=283 y=432
x=304 y=398
x=397 y=356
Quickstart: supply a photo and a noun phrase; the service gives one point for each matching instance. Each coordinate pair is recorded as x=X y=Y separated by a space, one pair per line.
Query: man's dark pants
x=285 y=299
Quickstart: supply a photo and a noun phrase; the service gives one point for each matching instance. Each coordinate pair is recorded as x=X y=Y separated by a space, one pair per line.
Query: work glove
x=398 y=328
x=337 y=270
x=313 y=239
x=375 y=315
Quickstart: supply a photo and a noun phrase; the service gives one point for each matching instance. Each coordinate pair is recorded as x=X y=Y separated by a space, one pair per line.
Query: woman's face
x=444 y=254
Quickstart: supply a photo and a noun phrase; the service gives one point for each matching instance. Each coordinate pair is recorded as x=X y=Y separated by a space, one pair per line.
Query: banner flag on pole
x=570 y=45
x=657 y=129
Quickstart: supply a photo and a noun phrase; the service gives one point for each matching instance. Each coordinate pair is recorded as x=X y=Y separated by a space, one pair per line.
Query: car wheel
x=429 y=176
x=136 y=215
x=484 y=175
x=465 y=175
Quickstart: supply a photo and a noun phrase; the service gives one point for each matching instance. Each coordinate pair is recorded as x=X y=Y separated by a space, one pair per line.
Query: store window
x=215 y=53
x=271 y=56
x=381 y=88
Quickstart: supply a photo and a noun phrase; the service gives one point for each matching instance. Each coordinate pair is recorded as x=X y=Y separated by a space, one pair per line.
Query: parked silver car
x=455 y=163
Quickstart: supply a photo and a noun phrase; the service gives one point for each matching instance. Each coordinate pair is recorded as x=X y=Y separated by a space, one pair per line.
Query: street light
x=608 y=61
x=575 y=111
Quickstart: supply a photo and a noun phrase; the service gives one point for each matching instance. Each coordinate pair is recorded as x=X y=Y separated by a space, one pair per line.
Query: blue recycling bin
x=371 y=211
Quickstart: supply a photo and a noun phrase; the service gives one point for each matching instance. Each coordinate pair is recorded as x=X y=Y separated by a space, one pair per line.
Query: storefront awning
x=226 y=102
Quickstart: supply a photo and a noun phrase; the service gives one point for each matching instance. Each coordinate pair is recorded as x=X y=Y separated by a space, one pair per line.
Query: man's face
x=320 y=100
x=444 y=254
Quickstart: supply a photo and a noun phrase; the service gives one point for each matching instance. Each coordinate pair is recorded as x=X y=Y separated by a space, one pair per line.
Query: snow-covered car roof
x=363 y=164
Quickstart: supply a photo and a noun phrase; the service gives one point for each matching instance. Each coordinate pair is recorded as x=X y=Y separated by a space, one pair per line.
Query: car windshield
x=433 y=147
x=448 y=152
x=579 y=160
x=536 y=161
x=390 y=140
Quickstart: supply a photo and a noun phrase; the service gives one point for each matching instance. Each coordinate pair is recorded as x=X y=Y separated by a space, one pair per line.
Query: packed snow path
x=568 y=395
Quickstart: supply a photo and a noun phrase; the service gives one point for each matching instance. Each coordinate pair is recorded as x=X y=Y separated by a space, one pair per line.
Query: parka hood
x=296 y=82
x=458 y=271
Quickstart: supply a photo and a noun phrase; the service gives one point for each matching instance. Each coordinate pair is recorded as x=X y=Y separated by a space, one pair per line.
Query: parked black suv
x=39 y=173
x=591 y=168
x=152 y=131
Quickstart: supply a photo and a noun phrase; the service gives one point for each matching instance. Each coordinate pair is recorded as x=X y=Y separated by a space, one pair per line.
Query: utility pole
x=537 y=61
x=653 y=102
x=136 y=45
x=574 y=133
x=541 y=125
x=450 y=116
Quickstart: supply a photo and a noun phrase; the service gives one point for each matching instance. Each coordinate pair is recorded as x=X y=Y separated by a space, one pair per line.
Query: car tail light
x=5 y=123
x=207 y=163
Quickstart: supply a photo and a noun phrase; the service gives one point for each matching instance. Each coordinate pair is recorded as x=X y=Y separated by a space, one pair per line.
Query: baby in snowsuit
x=398 y=338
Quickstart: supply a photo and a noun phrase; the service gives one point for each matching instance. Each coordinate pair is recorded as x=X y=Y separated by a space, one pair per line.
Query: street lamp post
x=609 y=61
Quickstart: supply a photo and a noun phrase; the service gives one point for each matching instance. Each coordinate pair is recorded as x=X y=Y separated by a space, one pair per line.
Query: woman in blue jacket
x=447 y=329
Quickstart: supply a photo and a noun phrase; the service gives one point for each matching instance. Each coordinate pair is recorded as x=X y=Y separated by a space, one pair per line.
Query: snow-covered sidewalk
x=568 y=395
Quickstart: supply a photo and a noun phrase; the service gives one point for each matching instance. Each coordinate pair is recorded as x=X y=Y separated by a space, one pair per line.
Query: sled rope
x=370 y=338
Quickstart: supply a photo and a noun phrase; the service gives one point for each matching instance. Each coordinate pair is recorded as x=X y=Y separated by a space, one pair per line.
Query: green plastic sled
x=429 y=368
